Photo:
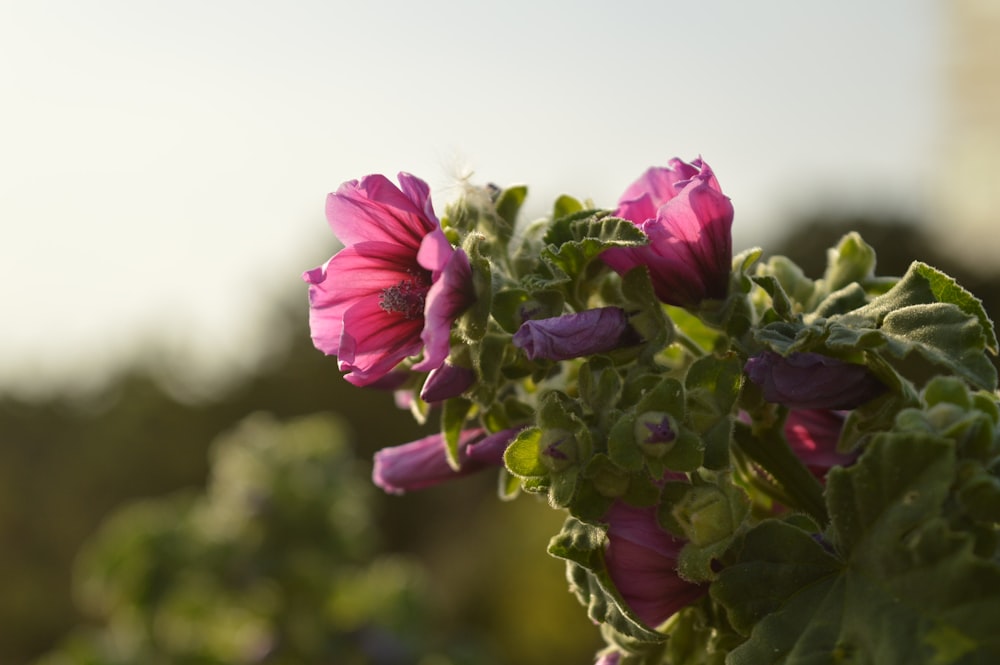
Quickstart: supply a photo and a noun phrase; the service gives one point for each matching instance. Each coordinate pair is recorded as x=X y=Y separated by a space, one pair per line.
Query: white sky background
x=164 y=165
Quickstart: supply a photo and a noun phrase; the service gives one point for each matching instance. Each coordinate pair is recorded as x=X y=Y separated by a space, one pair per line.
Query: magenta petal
x=435 y=252
x=372 y=266
x=813 y=435
x=447 y=381
x=374 y=341
x=375 y=209
x=656 y=186
x=641 y=559
x=448 y=297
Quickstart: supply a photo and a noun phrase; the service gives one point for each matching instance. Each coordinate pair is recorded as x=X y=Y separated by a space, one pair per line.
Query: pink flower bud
x=688 y=220
x=641 y=559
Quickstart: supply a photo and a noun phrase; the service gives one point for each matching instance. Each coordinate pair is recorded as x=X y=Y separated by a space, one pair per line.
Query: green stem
x=774 y=455
x=692 y=346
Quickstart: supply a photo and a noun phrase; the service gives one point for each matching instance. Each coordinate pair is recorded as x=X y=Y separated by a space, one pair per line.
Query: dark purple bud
x=424 y=462
x=575 y=335
x=812 y=381
x=447 y=381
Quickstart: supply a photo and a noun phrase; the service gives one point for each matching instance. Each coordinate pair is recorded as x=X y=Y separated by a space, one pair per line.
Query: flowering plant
x=755 y=466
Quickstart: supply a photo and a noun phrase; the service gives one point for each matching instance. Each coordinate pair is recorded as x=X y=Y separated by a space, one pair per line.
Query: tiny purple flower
x=641 y=559
x=424 y=462
x=688 y=220
x=575 y=335
x=812 y=381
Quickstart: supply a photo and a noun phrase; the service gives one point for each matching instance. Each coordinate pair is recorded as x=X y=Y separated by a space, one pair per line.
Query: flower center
x=407 y=297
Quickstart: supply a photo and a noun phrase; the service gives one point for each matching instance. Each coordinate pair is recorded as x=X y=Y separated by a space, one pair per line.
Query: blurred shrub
x=274 y=563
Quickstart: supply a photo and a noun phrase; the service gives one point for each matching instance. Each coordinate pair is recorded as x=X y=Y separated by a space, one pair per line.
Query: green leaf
x=509 y=203
x=771 y=451
x=712 y=385
x=946 y=289
x=454 y=413
x=565 y=206
x=907 y=588
x=523 y=455
x=776 y=562
x=582 y=546
x=573 y=241
x=852 y=260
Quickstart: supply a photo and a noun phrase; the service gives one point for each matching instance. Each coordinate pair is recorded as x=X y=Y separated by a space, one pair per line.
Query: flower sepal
x=709 y=512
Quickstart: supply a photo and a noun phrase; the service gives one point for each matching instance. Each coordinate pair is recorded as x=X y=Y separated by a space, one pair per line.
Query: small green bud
x=704 y=514
x=655 y=433
x=611 y=482
x=944 y=414
x=558 y=449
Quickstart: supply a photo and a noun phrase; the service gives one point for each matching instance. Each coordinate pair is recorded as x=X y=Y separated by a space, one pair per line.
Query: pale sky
x=164 y=165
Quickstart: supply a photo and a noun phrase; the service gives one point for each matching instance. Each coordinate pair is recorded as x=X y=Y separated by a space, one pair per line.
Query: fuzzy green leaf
x=906 y=589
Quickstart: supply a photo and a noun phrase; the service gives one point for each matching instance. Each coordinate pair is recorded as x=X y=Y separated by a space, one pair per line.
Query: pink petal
x=435 y=252
x=448 y=297
x=657 y=185
x=375 y=209
x=360 y=271
x=374 y=341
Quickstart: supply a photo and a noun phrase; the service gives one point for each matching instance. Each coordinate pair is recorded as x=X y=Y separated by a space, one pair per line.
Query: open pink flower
x=688 y=220
x=642 y=560
x=395 y=288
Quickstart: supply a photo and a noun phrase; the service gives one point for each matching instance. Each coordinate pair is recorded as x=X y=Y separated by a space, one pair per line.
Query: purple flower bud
x=642 y=561
x=424 y=462
x=447 y=381
x=574 y=335
x=812 y=381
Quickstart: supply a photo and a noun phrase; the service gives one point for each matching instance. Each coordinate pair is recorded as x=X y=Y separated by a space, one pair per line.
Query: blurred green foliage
x=273 y=563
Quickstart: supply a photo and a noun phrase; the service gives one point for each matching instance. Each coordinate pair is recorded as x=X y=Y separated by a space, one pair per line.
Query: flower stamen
x=406 y=298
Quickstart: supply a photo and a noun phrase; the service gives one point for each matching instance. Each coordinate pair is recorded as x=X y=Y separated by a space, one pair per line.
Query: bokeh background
x=163 y=169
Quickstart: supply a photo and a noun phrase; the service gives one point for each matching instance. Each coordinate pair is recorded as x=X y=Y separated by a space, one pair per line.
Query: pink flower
x=395 y=288
x=688 y=220
x=424 y=462
x=813 y=434
x=642 y=560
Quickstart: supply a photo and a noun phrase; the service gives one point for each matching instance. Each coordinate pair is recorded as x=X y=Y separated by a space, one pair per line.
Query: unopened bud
x=705 y=516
